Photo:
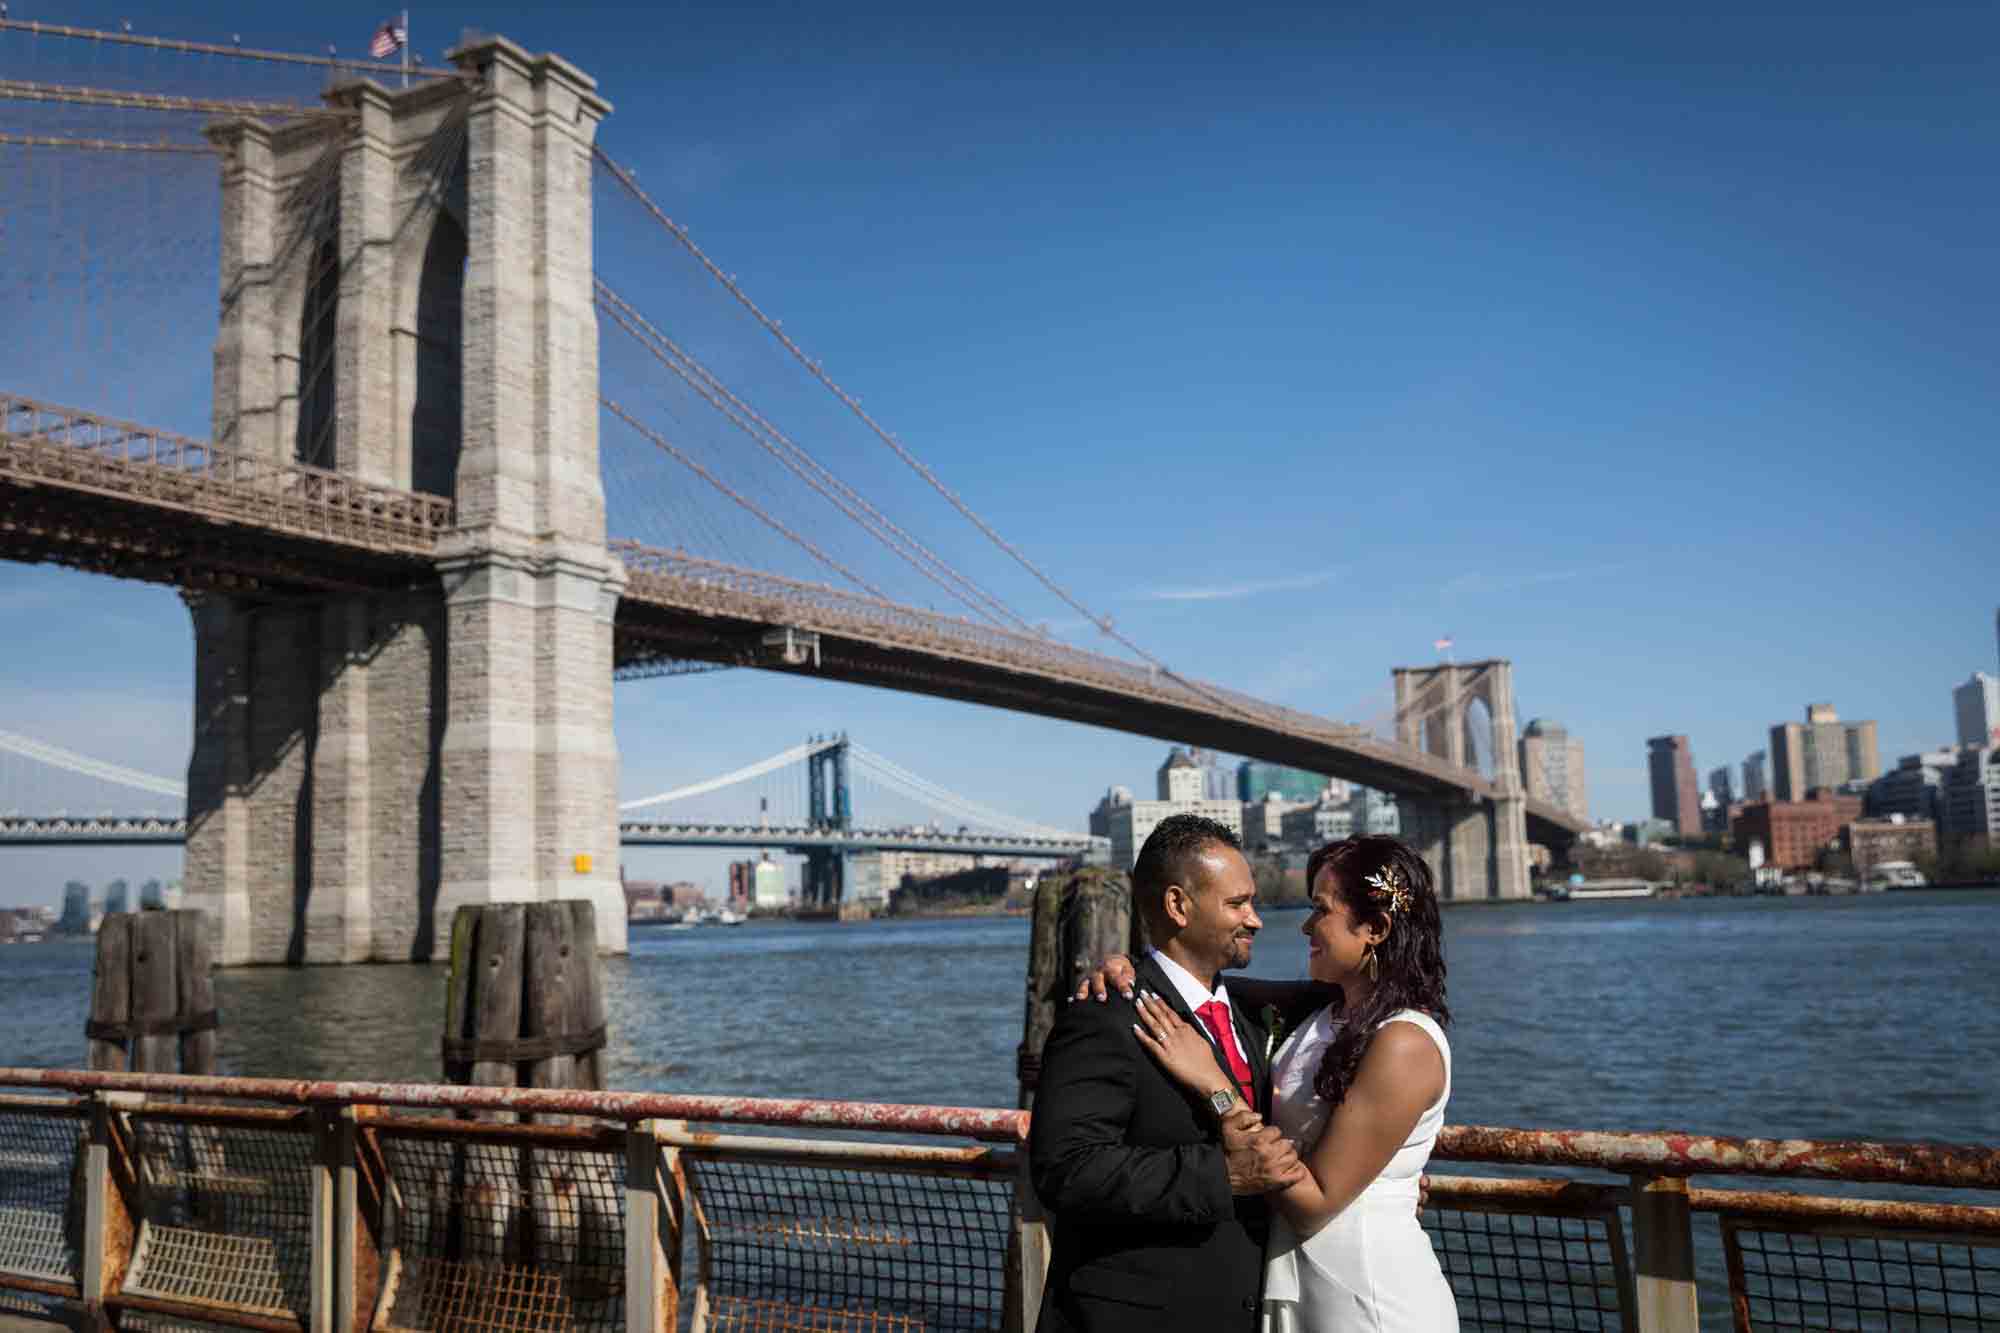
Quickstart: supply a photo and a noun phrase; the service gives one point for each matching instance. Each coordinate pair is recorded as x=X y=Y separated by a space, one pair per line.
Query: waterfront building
x=1256 y=779
x=1756 y=777
x=1100 y=817
x=1914 y=788
x=1977 y=706
x=1821 y=752
x=1552 y=766
x=1649 y=832
x=1670 y=764
x=1134 y=821
x=1180 y=778
x=768 y=886
x=1870 y=842
x=1794 y=833
x=1315 y=825
x=1972 y=798
x=75 y=919
x=1263 y=826
x=1376 y=812
x=1720 y=785
x=742 y=885
x=117 y=897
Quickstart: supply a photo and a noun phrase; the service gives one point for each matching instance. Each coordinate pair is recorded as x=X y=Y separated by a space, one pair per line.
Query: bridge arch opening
x=437 y=412
x=1479 y=737
x=319 y=323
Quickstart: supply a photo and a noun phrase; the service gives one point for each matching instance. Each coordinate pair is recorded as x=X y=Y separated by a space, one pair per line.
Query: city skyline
x=1552 y=268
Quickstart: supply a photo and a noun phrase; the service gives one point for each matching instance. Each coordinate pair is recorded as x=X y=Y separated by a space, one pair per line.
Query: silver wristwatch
x=1221 y=1100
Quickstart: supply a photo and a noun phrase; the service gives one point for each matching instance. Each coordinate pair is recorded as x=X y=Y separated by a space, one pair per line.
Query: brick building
x=1794 y=833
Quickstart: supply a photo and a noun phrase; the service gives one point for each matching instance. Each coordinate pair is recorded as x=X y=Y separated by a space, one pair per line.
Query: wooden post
x=548 y=960
x=483 y=1001
x=197 y=989
x=1044 y=964
x=1663 y=1235
x=586 y=979
x=1097 y=922
x=156 y=994
x=111 y=992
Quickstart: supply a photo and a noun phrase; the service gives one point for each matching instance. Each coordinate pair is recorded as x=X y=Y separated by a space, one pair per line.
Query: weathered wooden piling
x=525 y=1003
x=524 y=1007
x=152 y=1004
x=1079 y=918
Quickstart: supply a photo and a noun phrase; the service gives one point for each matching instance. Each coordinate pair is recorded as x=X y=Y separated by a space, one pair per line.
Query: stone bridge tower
x=1476 y=848
x=406 y=297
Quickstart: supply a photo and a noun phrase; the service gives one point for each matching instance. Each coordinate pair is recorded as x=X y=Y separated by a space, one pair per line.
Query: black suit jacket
x=1130 y=1164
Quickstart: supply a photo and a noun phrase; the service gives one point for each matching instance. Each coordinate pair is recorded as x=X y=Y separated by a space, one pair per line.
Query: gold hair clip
x=1385 y=886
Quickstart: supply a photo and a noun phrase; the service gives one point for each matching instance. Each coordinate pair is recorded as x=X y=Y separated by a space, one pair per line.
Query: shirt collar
x=1193 y=994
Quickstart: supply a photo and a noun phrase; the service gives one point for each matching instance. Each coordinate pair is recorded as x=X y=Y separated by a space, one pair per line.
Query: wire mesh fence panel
x=490 y=1235
x=38 y=1156
x=1815 y=1280
x=1530 y=1271
x=226 y=1216
x=812 y=1247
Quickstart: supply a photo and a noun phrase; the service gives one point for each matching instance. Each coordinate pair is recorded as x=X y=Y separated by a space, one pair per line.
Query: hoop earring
x=1371 y=963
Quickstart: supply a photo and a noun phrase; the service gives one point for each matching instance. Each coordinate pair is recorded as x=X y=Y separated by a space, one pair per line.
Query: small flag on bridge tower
x=1443 y=645
x=390 y=38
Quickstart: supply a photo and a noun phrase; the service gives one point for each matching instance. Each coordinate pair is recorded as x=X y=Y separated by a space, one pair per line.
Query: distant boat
x=1884 y=875
x=1605 y=888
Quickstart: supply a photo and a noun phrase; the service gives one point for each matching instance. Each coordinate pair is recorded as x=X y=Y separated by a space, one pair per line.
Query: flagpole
x=406 y=49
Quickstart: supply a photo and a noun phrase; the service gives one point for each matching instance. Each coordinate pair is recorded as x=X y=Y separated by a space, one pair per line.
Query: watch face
x=1221 y=1101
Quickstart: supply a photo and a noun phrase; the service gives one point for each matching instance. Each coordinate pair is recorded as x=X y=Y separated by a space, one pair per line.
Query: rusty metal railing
x=370 y=1205
x=44 y=444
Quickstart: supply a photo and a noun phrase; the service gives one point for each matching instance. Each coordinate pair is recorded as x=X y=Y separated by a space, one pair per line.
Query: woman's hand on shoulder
x=1183 y=1052
x=1113 y=973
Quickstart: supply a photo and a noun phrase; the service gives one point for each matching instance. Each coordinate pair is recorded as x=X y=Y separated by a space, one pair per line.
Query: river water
x=1862 y=1017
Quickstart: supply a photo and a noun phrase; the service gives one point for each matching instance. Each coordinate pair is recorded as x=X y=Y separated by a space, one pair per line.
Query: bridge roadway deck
x=123 y=499
x=144 y=831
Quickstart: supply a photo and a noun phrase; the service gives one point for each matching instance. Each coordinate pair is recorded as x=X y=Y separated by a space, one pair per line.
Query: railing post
x=651 y=1298
x=335 y=1219
x=1027 y=1253
x=1663 y=1236
x=108 y=1228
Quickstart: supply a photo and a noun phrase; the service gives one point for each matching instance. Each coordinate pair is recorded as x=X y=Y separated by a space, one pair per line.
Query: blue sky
x=1649 y=348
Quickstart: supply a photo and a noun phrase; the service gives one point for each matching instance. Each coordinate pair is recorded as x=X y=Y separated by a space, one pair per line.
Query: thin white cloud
x=1226 y=592
x=1486 y=582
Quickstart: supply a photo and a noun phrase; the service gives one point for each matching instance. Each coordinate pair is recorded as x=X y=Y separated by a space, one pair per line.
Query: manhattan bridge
x=482 y=427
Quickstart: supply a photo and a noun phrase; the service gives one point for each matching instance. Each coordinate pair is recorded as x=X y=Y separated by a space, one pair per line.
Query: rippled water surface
x=1816 y=1017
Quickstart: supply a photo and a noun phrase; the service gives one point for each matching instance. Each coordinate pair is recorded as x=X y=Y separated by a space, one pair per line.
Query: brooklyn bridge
x=482 y=439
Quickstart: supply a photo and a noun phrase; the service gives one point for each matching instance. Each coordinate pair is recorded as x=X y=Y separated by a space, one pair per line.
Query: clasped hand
x=1258 y=1157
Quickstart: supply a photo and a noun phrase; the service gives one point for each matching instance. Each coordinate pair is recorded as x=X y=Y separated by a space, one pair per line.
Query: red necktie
x=1215 y=1017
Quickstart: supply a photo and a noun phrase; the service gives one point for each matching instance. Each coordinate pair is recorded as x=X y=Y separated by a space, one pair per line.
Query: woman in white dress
x=1360 y=1089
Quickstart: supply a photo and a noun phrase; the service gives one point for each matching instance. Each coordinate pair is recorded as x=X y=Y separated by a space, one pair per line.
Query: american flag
x=388 y=39
x=1443 y=645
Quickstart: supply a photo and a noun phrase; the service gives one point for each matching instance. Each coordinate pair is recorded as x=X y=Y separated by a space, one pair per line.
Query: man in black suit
x=1156 y=1192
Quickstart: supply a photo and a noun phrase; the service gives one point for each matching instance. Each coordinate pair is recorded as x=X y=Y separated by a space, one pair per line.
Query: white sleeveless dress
x=1371 y=1268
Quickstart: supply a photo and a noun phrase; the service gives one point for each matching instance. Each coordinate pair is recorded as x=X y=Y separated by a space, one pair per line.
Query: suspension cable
x=802 y=543
x=803 y=465
x=1103 y=623
x=180 y=47
x=21 y=90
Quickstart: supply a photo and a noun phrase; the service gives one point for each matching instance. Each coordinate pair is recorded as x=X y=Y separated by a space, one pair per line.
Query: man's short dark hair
x=1169 y=856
